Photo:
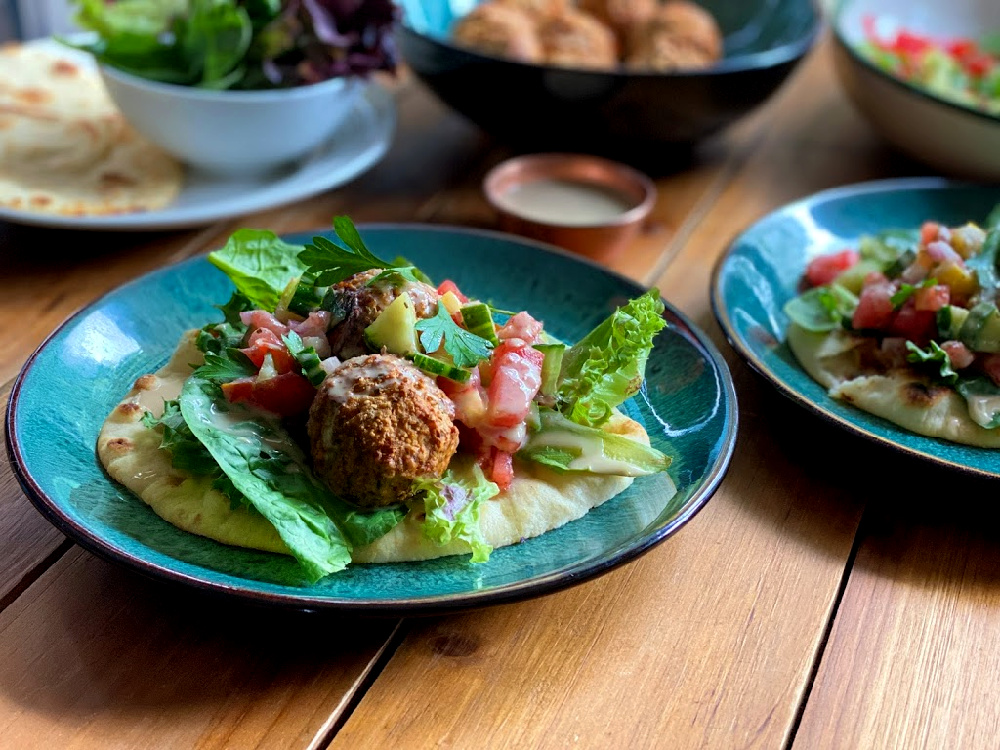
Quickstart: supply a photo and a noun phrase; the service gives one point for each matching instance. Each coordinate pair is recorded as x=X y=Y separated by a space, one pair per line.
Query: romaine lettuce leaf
x=451 y=507
x=265 y=464
x=936 y=355
x=984 y=263
x=607 y=365
x=567 y=446
x=260 y=265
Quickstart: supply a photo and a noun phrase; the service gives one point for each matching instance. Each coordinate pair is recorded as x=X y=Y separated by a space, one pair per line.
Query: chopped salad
x=924 y=299
x=962 y=70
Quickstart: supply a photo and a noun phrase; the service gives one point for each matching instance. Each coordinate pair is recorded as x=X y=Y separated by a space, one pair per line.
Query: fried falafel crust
x=377 y=424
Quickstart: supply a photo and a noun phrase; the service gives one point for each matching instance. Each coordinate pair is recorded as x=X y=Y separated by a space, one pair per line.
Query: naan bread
x=904 y=397
x=539 y=499
x=64 y=147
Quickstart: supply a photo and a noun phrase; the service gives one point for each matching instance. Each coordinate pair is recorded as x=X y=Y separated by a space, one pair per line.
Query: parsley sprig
x=466 y=348
x=329 y=263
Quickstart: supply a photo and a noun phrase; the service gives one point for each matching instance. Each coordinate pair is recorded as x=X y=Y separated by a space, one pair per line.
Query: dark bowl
x=617 y=113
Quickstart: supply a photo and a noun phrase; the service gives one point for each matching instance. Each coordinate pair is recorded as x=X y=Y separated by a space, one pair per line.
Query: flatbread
x=904 y=397
x=537 y=501
x=64 y=147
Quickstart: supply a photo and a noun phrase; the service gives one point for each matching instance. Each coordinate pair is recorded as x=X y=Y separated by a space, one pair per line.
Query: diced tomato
x=517 y=376
x=263 y=342
x=449 y=286
x=931 y=298
x=315 y=325
x=908 y=42
x=825 y=268
x=979 y=65
x=913 y=324
x=521 y=326
x=929 y=232
x=875 y=308
x=991 y=366
x=263 y=319
x=961 y=48
x=959 y=354
x=286 y=395
x=501 y=469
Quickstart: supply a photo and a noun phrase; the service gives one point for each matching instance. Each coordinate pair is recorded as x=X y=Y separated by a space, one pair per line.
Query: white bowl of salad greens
x=232 y=86
x=927 y=76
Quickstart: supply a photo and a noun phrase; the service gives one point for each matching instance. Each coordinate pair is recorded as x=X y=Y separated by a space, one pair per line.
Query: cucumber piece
x=981 y=329
x=551 y=366
x=435 y=367
x=306 y=296
x=949 y=322
x=394 y=328
x=479 y=320
x=306 y=357
x=853 y=279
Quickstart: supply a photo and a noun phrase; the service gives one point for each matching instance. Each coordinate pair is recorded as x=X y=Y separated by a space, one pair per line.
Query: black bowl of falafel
x=631 y=79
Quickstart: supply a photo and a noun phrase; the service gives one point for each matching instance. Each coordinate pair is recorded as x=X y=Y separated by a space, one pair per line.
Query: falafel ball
x=620 y=15
x=577 y=39
x=358 y=304
x=500 y=30
x=680 y=34
x=536 y=8
x=377 y=424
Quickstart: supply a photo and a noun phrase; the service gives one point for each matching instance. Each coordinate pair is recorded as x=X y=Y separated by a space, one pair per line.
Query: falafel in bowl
x=604 y=76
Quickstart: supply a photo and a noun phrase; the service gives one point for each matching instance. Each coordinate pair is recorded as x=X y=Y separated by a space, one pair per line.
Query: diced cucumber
x=435 y=367
x=306 y=296
x=853 y=279
x=394 y=329
x=479 y=320
x=551 y=366
x=306 y=357
x=981 y=329
x=949 y=321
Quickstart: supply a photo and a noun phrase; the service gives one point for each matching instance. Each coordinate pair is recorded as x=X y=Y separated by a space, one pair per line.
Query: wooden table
x=819 y=600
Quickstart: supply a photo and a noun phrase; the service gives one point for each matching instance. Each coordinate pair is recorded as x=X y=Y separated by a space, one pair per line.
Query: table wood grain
x=823 y=598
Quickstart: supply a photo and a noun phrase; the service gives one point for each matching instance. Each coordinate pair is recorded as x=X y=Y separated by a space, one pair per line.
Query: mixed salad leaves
x=962 y=70
x=240 y=44
x=237 y=424
x=925 y=299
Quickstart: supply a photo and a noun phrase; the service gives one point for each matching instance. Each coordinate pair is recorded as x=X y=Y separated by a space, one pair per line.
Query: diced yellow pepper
x=967 y=240
x=451 y=302
x=961 y=281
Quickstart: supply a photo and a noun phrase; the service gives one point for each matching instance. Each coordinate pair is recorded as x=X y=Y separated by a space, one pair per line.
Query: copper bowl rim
x=630 y=181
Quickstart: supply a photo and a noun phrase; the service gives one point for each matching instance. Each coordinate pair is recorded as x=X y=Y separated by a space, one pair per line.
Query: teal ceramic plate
x=761 y=271
x=77 y=376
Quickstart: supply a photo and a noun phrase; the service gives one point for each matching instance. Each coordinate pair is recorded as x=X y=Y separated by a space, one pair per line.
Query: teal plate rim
x=51 y=509
x=789 y=390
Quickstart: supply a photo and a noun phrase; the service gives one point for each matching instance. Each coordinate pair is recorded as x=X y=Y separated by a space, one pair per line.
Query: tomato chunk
x=286 y=395
x=499 y=468
x=932 y=298
x=264 y=341
x=959 y=354
x=450 y=286
x=825 y=268
x=875 y=308
x=517 y=376
x=916 y=325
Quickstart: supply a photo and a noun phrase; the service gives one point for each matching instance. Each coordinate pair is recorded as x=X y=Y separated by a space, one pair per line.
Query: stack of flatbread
x=65 y=148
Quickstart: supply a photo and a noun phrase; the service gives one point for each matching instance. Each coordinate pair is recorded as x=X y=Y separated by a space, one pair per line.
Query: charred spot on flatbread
x=922 y=395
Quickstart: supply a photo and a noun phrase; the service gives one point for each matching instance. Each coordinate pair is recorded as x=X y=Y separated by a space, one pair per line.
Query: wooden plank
x=92 y=656
x=708 y=641
x=29 y=541
x=913 y=658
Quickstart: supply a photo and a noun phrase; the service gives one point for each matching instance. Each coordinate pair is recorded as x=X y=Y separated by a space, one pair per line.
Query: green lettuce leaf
x=984 y=263
x=260 y=265
x=822 y=308
x=567 y=446
x=607 y=365
x=934 y=354
x=982 y=396
x=264 y=464
x=451 y=507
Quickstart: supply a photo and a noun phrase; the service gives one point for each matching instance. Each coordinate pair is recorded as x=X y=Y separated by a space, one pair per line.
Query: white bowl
x=951 y=137
x=233 y=132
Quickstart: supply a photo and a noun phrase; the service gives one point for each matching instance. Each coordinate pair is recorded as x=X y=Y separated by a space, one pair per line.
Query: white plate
x=357 y=145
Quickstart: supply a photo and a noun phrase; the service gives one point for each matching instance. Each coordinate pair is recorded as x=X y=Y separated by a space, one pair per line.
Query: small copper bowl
x=586 y=204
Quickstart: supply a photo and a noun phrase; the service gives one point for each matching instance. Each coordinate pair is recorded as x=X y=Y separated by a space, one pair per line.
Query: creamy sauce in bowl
x=566 y=202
